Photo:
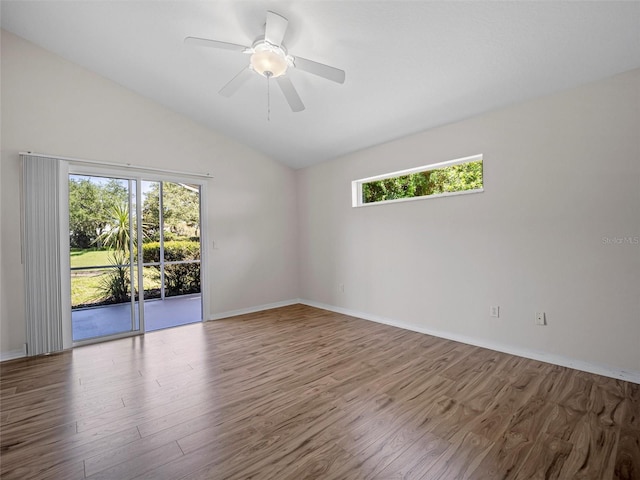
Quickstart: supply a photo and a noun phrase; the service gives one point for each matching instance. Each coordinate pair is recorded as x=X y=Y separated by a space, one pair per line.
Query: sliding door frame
x=138 y=176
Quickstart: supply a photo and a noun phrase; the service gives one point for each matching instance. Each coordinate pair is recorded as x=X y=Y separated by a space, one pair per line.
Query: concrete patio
x=158 y=314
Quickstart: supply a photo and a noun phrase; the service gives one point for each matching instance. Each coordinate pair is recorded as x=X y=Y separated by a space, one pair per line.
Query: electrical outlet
x=541 y=318
x=494 y=311
x=341 y=288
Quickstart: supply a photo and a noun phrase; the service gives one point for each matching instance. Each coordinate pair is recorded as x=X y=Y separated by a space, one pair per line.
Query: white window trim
x=356 y=185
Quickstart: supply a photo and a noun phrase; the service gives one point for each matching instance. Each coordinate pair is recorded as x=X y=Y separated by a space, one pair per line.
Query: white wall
x=52 y=106
x=561 y=174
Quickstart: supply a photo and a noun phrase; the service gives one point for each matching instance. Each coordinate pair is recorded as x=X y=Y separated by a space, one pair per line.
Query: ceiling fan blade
x=290 y=93
x=275 y=28
x=236 y=82
x=205 y=42
x=320 y=69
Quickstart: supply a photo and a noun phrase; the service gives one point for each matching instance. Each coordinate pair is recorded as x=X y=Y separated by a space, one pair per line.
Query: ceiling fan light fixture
x=269 y=60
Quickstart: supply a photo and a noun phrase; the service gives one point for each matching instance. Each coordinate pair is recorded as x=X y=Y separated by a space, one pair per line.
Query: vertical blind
x=41 y=251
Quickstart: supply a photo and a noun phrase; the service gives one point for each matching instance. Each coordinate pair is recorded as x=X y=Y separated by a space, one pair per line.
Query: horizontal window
x=463 y=175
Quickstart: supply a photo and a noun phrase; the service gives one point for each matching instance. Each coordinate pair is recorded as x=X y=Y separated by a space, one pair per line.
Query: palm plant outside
x=114 y=285
x=117 y=235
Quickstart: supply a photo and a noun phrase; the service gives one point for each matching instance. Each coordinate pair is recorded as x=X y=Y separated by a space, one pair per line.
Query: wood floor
x=297 y=393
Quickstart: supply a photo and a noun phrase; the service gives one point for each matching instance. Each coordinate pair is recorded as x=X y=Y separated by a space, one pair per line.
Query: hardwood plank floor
x=297 y=393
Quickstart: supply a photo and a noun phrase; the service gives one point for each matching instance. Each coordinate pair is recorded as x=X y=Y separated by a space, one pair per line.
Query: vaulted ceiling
x=410 y=65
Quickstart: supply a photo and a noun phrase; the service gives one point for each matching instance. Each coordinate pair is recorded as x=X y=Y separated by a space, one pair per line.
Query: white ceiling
x=410 y=65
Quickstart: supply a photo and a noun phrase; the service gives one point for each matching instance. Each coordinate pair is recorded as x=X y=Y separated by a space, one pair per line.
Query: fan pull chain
x=268 y=74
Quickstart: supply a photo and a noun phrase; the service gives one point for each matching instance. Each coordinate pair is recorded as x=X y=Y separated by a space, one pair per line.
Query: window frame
x=356 y=185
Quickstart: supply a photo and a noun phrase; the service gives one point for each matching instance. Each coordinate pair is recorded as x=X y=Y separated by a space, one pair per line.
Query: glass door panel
x=171 y=219
x=103 y=239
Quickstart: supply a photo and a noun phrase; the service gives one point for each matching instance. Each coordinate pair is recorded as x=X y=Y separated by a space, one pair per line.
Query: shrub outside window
x=454 y=177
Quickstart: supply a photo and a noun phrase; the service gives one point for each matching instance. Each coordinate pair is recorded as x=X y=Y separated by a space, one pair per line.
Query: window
x=453 y=177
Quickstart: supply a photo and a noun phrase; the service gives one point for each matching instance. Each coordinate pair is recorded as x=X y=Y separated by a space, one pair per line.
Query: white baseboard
x=627 y=375
x=12 y=355
x=258 y=308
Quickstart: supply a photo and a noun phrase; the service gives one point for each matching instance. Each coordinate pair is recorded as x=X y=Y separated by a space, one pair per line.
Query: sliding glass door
x=131 y=235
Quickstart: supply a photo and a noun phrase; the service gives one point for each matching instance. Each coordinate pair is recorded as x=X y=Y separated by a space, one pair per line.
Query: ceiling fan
x=270 y=59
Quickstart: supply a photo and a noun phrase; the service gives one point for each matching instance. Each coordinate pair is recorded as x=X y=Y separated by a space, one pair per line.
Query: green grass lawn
x=89 y=258
x=85 y=289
